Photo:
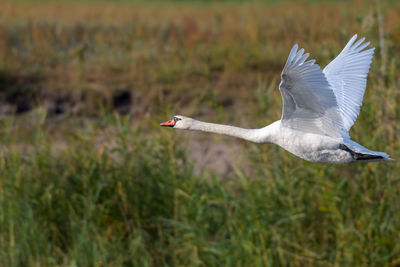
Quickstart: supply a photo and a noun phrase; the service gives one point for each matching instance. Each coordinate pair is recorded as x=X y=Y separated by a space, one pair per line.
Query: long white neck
x=262 y=135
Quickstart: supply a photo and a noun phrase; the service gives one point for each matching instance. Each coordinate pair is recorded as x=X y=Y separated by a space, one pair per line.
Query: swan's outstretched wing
x=347 y=75
x=309 y=104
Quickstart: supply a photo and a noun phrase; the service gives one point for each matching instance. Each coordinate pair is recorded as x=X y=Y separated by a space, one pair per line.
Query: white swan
x=319 y=108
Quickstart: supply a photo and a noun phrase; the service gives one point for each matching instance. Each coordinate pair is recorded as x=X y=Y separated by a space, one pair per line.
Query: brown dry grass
x=158 y=52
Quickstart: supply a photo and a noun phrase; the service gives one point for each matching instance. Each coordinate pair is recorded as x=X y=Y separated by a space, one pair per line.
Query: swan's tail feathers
x=360 y=153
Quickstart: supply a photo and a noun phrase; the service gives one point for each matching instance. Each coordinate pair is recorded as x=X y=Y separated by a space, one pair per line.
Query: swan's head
x=178 y=122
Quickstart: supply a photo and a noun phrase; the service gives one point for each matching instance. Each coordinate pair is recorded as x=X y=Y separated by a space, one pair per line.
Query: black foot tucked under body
x=359 y=156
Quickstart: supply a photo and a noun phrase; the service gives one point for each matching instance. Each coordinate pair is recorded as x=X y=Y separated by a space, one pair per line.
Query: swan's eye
x=176 y=119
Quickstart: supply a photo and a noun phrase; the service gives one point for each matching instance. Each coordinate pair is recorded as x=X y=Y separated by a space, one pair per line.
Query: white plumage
x=309 y=103
x=347 y=75
x=319 y=108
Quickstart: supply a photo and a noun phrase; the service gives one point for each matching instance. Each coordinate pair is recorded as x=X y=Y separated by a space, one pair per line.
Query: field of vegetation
x=88 y=178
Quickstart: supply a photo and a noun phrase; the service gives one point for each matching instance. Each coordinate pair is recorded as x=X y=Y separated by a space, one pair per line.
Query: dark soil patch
x=122 y=101
x=19 y=91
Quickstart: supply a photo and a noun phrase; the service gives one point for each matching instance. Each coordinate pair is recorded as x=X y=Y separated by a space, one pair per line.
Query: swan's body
x=319 y=108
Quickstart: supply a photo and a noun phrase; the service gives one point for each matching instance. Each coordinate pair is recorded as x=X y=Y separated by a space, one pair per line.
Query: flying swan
x=319 y=108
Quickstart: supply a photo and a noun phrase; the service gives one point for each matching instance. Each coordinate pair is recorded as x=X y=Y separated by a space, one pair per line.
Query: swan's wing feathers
x=347 y=75
x=309 y=104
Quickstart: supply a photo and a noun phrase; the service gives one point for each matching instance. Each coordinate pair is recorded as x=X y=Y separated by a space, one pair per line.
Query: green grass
x=139 y=203
x=81 y=184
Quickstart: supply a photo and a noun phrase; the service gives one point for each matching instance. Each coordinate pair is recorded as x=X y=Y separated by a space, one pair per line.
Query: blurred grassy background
x=88 y=178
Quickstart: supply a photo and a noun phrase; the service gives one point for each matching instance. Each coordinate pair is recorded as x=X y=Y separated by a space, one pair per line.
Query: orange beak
x=169 y=123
